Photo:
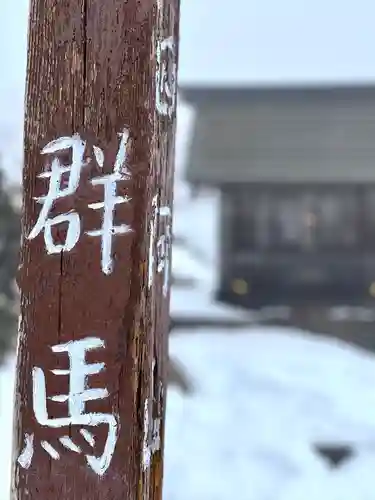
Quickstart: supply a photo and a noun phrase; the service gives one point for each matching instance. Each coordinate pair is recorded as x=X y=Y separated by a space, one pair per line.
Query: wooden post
x=95 y=260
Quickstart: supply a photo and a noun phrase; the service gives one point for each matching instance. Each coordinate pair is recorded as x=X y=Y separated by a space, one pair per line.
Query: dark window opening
x=303 y=218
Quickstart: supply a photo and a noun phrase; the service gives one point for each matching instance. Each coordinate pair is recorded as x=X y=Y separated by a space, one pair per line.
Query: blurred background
x=272 y=342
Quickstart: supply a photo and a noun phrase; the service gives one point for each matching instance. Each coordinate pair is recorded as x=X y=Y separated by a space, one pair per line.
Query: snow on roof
x=249 y=41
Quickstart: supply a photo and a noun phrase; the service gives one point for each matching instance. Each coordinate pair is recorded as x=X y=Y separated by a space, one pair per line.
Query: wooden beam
x=95 y=259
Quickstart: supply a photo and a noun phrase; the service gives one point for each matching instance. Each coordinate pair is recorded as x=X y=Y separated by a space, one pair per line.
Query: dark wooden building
x=296 y=172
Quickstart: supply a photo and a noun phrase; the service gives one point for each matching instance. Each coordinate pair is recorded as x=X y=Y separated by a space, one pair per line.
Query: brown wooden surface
x=92 y=69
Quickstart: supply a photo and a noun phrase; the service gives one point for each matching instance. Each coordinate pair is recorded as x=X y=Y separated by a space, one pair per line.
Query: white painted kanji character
x=166 y=76
x=78 y=394
x=164 y=249
x=163 y=244
x=55 y=192
x=152 y=232
x=109 y=183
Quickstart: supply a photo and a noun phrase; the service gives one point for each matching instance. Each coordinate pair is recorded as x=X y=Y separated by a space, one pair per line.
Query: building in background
x=296 y=170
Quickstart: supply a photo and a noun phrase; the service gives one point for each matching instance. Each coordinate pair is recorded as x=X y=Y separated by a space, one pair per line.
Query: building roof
x=315 y=136
x=198 y=94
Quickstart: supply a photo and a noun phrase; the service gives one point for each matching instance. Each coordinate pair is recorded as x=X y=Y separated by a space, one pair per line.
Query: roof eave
x=196 y=94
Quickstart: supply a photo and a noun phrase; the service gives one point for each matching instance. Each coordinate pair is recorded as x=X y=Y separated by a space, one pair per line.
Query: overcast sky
x=222 y=42
x=246 y=41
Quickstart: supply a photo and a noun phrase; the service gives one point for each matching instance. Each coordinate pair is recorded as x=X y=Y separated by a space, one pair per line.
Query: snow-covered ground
x=263 y=397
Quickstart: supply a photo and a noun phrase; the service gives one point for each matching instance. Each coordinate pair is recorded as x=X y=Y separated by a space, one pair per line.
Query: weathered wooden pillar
x=95 y=260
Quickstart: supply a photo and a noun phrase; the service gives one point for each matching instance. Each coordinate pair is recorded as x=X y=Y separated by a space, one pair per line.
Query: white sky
x=247 y=41
x=277 y=40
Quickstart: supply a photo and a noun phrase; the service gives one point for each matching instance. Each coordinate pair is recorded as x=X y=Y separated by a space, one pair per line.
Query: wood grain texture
x=92 y=69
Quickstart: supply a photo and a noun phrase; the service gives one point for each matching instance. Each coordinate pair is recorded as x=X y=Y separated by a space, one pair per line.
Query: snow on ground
x=262 y=399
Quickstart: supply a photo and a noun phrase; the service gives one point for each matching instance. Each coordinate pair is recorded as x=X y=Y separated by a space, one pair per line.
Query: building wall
x=301 y=247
